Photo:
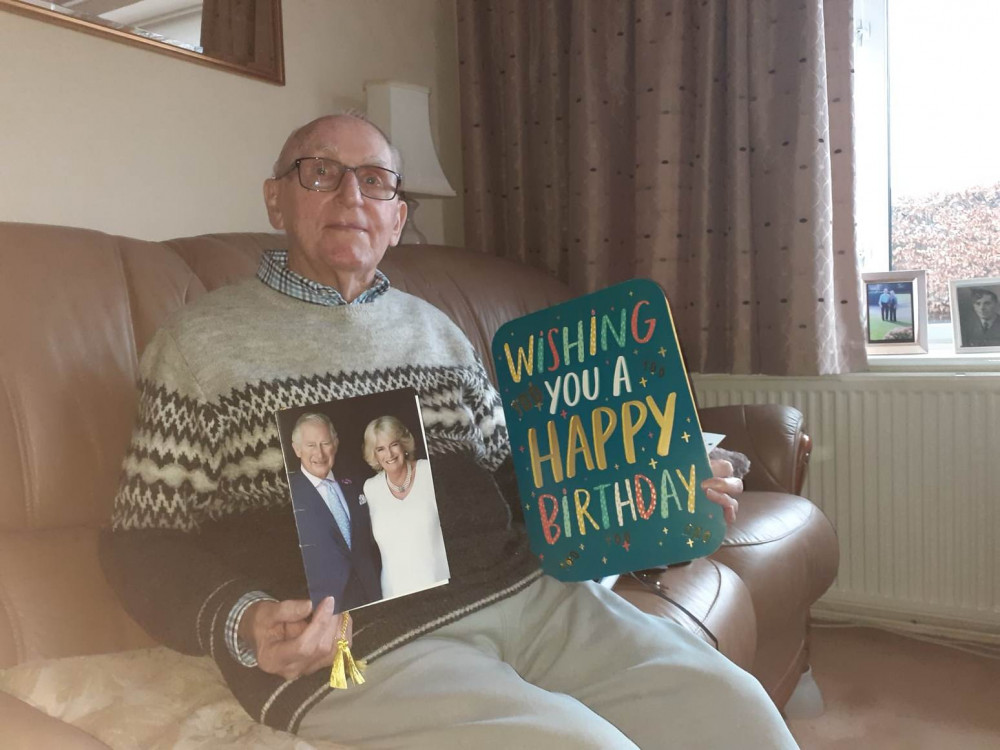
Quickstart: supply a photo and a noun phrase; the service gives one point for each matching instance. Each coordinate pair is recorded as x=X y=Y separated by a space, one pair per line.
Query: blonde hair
x=385 y=425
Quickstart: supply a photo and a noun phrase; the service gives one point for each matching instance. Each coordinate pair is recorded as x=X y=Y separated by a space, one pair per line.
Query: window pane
x=944 y=111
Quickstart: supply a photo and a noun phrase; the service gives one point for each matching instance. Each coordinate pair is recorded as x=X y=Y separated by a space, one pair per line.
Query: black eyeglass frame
x=344 y=170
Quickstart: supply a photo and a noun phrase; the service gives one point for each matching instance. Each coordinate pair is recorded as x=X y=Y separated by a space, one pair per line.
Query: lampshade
x=402 y=111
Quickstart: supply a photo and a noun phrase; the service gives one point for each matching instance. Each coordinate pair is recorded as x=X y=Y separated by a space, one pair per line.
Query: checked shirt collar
x=274 y=272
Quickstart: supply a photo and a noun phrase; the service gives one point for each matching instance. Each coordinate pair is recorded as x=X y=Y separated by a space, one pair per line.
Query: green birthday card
x=605 y=436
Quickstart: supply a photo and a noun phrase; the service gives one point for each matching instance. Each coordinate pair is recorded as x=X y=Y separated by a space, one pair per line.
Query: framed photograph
x=975 y=314
x=896 y=320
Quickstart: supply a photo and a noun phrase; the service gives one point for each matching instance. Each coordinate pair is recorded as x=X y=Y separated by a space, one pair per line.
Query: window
x=928 y=138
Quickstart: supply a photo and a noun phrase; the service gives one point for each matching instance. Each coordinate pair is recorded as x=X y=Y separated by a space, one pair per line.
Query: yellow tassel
x=343 y=661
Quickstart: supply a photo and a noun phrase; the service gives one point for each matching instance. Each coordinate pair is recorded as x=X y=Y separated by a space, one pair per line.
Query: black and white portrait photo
x=975 y=314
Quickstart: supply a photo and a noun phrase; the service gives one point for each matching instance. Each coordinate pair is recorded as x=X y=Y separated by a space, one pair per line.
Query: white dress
x=408 y=533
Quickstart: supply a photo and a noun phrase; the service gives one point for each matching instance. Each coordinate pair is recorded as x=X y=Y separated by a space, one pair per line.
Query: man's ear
x=400 y=221
x=271 y=190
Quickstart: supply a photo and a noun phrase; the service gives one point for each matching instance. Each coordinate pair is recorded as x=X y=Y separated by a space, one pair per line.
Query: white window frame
x=872 y=196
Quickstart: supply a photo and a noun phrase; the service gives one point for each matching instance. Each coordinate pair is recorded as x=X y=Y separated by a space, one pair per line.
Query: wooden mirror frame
x=275 y=75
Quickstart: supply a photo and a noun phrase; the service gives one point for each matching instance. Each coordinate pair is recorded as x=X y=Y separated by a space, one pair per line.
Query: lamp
x=402 y=111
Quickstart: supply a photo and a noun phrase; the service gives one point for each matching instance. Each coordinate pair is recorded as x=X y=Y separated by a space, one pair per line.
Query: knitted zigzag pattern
x=185 y=450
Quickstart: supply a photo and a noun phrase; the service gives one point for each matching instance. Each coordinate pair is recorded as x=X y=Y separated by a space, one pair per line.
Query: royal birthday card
x=362 y=491
x=605 y=437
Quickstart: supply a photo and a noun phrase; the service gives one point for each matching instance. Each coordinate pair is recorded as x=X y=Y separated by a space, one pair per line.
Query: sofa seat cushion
x=149 y=698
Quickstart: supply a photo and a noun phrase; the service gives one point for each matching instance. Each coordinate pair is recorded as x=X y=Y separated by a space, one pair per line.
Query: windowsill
x=941 y=357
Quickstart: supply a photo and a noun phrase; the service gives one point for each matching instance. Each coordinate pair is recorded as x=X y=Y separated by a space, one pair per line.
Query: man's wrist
x=242 y=649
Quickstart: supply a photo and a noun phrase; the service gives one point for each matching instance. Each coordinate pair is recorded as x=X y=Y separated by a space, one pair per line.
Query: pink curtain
x=706 y=145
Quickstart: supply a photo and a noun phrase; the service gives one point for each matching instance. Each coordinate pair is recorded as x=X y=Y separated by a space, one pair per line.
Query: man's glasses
x=325 y=175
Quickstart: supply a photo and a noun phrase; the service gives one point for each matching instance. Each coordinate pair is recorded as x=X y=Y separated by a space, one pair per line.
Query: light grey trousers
x=556 y=666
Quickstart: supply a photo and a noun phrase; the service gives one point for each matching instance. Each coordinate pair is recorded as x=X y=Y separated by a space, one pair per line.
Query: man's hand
x=724 y=488
x=287 y=641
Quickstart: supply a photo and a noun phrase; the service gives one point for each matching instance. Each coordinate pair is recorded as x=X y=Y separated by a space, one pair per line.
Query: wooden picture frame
x=253 y=49
x=896 y=312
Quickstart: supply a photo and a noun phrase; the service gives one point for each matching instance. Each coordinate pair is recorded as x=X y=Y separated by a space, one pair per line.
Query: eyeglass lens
x=316 y=173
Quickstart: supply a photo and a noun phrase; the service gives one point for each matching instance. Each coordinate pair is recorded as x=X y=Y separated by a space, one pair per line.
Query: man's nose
x=350 y=189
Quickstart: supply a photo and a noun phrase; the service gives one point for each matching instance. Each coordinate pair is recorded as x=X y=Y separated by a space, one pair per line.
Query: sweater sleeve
x=153 y=555
x=506 y=480
x=490 y=424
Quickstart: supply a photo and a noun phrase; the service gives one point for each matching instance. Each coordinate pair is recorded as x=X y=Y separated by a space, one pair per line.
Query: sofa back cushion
x=77 y=306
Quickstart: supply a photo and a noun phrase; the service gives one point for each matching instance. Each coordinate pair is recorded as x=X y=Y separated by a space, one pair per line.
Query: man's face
x=316 y=448
x=985 y=307
x=338 y=237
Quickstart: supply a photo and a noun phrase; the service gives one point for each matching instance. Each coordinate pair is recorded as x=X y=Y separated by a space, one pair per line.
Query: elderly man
x=335 y=529
x=203 y=548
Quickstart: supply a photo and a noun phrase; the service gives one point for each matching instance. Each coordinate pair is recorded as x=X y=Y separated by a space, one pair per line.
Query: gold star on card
x=666 y=530
x=686 y=438
x=581 y=546
x=690 y=543
x=642 y=382
x=604 y=560
x=663 y=352
x=652 y=462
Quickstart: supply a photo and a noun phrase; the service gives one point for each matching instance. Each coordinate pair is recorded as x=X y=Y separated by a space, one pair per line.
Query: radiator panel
x=906 y=467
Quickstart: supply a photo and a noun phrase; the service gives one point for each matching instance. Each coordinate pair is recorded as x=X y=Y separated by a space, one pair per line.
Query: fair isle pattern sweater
x=203 y=514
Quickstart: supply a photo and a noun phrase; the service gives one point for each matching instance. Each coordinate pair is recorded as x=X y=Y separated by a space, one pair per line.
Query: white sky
x=944 y=89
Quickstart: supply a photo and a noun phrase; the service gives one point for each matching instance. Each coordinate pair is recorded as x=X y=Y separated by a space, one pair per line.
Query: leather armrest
x=772 y=437
x=27 y=728
x=714 y=600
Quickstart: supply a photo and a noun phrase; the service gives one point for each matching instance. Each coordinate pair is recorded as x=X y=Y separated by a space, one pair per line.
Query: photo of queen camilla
x=403 y=508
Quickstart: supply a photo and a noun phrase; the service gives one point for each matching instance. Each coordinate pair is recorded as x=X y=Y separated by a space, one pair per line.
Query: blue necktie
x=329 y=490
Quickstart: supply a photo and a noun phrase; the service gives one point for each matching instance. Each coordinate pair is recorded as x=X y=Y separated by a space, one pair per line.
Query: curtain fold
x=704 y=145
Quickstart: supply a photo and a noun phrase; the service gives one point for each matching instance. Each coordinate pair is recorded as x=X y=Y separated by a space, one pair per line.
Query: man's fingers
x=728 y=485
x=320 y=637
x=721 y=467
x=296 y=644
x=730 y=505
x=321 y=633
x=291 y=610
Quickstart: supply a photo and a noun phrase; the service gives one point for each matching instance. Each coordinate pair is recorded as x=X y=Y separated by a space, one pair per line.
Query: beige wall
x=99 y=134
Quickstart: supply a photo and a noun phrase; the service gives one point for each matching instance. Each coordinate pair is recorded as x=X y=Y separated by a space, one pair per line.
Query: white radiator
x=907 y=467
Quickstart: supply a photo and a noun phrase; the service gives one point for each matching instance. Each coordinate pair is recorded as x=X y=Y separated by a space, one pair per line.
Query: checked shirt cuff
x=238 y=649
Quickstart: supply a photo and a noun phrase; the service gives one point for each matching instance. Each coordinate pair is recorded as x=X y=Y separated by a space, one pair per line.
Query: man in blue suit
x=340 y=555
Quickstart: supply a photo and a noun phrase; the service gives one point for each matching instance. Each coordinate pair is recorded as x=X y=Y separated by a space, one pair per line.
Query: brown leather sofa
x=78 y=307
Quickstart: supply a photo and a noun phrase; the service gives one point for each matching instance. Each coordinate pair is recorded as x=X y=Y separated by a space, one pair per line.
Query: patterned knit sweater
x=203 y=513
